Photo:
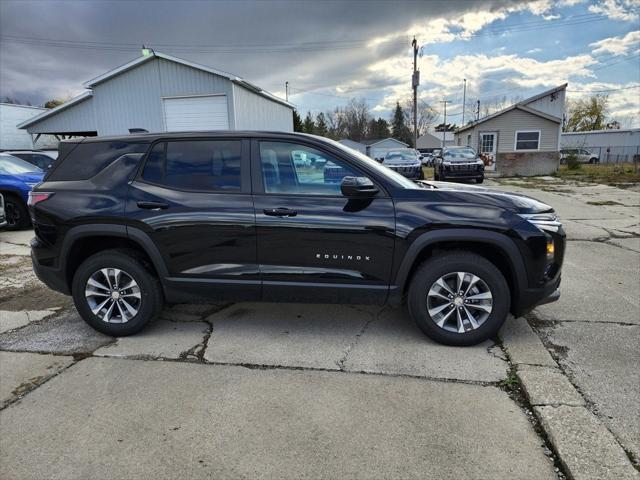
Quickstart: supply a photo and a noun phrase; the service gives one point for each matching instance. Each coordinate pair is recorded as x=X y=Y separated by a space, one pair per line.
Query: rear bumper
x=52 y=277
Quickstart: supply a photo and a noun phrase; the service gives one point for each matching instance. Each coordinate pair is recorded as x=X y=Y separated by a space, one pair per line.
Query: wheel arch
x=495 y=247
x=85 y=240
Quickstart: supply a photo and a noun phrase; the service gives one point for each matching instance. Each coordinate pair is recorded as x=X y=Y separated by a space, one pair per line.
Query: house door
x=488 y=148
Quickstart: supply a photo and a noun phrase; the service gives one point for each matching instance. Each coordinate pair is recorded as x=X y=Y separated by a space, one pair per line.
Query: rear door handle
x=280 y=212
x=153 y=205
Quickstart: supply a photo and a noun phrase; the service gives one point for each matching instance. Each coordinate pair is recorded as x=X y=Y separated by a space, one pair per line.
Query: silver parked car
x=583 y=156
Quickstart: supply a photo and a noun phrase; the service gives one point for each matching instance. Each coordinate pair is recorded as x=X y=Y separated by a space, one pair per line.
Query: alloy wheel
x=113 y=295
x=459 y=302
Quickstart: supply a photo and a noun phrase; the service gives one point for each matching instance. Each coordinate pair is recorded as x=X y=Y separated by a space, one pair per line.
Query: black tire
x=479 y=180
x=593 y=160
x=458 y=261
x=421 y=175
x=16 y=213
x=129 y=261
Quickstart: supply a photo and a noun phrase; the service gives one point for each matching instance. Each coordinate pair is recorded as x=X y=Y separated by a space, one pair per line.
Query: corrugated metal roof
x=140 y=60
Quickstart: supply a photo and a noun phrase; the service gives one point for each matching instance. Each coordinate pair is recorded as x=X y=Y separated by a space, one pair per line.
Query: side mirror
x=358 y=187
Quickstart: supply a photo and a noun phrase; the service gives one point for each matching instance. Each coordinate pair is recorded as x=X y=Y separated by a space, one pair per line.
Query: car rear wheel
x=16 y=213
x=459 y=298
x=479 y=180
x=116 y=292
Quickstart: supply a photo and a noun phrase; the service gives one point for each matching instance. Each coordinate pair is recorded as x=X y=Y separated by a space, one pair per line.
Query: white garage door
x=196 y=113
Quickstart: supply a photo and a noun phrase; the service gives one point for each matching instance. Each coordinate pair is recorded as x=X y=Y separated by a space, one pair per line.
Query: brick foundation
x=527 y=164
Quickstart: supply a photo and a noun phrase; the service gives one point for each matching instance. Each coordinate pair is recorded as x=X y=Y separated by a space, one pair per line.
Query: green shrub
x=572 y=162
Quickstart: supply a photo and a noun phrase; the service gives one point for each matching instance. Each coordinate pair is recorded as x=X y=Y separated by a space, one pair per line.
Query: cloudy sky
x=331 y=51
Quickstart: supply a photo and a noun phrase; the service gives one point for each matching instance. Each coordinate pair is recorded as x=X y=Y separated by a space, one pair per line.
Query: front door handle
x=280 y=212
x=153 y=205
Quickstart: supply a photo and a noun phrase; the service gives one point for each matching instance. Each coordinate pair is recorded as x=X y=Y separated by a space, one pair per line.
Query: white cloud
x=617 y=45
x=510 y=73
x=534 y=50
x=466 y=25
x=624 y=10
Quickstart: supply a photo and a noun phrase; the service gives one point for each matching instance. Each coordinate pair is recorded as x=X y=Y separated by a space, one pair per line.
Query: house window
x=528 y=140
x=468 y=140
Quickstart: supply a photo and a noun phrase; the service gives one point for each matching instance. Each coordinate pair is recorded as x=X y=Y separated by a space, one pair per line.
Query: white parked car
x=583 y=156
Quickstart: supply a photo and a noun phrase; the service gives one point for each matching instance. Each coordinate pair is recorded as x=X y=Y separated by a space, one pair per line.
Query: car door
x=193 y=199
x=314 y=244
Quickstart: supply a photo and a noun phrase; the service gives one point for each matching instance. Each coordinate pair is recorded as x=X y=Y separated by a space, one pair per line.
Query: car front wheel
x=116 y=292
x=459 y=298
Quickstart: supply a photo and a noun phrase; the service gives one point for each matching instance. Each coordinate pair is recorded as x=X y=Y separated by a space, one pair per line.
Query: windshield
x=458 y=154
x=10 y=165
x=371 y=163
x=401 y=155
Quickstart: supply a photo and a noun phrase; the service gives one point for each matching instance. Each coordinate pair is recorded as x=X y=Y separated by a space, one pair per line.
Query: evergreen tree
x=321 y=125
x=297 y=122
x=308 y=126
x=378 y=129
x=399 y=128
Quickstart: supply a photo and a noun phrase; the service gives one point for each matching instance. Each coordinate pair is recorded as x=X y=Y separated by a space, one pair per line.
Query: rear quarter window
x=88 y=159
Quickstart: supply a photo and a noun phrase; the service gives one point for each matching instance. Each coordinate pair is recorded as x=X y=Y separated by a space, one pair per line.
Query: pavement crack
x=28 y=388
x=372 y=317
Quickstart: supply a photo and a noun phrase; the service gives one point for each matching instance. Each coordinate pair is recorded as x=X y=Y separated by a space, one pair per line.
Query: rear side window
x=88 y=159
x=208 y=165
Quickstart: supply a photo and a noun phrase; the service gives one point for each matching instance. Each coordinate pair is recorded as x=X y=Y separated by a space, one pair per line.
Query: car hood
x=401 y=162
x=511 y=201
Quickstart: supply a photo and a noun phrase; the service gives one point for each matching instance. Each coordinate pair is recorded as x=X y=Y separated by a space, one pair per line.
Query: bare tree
x=426 y=115
x=357 y=116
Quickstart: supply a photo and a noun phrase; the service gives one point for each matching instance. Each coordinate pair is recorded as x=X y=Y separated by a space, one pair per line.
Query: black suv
x=458 y=163
x=125 y=224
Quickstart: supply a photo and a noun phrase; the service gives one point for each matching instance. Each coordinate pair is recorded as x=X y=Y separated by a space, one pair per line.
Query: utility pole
x=286 y=90
x=478 y=111
x=444 y=129
x=464 y=99
x=415 y=81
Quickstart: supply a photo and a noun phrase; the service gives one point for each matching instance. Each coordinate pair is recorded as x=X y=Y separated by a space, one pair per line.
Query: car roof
x=151 y=137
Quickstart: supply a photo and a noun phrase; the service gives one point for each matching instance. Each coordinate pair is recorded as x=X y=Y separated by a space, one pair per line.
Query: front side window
x=207 y=165
x=527 y=140
x=298 y=169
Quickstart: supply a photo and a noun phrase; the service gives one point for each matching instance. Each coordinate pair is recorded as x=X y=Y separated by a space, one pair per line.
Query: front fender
x=480 y=237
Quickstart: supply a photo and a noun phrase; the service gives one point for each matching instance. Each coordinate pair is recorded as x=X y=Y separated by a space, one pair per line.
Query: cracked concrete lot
x=326 y=391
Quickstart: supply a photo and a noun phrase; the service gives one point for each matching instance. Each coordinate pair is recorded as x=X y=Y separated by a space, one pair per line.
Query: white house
x=430 y=141
x=523 y=139
x=376 y=148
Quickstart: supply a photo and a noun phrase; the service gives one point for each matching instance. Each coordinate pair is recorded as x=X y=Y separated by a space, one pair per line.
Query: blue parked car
x=17 y=178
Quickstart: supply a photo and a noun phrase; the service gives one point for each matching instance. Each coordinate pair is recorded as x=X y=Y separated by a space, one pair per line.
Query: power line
x=288 y=47
x=604 y=91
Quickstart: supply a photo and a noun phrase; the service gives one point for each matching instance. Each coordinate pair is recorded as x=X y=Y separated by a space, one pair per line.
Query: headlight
x=479 y=162
x=544 y=221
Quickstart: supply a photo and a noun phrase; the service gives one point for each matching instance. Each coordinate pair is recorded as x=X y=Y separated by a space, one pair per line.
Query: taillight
x=37 y=197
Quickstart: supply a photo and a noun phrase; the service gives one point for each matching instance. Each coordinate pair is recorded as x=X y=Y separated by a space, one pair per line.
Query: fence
x=614 y=154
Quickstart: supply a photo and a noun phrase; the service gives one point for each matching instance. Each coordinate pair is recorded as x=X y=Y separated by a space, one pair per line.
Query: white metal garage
x=183 y=114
